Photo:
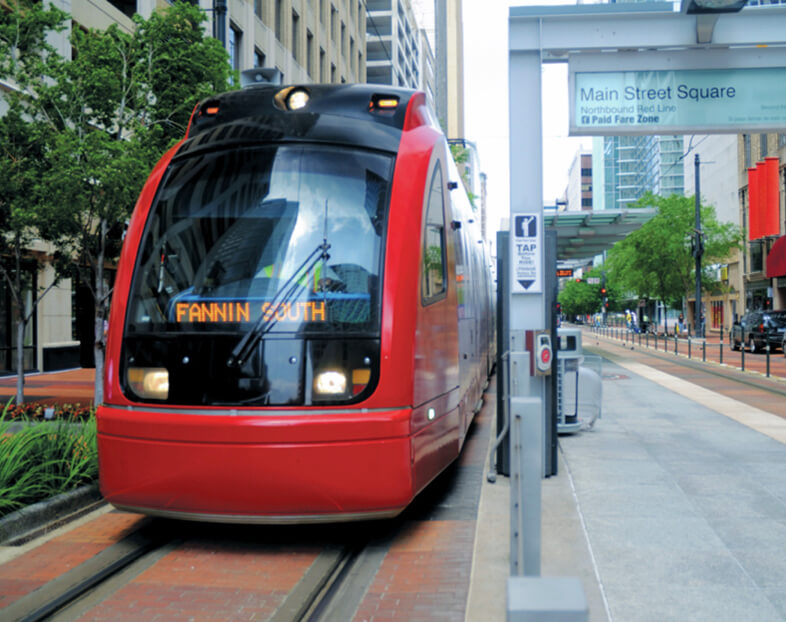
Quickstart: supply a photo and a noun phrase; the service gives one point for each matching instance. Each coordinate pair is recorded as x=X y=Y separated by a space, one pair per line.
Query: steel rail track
x=55 y=599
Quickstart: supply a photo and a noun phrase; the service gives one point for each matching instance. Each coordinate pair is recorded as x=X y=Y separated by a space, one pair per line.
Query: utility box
x=579 y=390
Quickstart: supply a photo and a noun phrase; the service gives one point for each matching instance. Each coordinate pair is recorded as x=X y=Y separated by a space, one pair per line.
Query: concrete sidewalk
x=673 y=507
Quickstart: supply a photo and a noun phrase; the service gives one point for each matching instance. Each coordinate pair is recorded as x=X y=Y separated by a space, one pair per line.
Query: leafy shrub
x=41 y=459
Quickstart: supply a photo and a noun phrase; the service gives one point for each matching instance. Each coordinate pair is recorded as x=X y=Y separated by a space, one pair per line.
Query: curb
x=27 y=523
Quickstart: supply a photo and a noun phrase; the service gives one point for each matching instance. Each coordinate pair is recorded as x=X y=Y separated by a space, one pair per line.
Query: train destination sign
x=681 y=101
x=244 y=311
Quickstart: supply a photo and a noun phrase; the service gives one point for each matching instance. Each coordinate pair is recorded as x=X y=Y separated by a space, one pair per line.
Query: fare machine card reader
x=543 y=353
x=538 y=343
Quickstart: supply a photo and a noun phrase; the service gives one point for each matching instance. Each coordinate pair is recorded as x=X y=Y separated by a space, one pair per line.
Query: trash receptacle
x=578 y=384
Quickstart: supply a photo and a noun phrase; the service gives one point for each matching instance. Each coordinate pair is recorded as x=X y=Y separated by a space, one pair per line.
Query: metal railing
x=712 y=349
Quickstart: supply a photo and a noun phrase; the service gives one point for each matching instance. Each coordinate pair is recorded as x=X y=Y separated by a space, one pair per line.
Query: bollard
x=689 y=345
x=721 y=348
x=767 y=351
x=704 y=351
x=676 y=341
x=742 y=355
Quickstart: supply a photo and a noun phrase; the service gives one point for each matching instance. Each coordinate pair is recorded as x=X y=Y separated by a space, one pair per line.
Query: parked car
x=756 y=329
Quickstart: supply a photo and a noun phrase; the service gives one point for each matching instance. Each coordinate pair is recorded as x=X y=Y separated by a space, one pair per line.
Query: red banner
x=754 y=215
x=772 y=208
x=763 y=200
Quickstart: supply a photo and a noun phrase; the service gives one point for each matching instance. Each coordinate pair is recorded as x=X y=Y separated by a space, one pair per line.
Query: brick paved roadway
x=224 y=572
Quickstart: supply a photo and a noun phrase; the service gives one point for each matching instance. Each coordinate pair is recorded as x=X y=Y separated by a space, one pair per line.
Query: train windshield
x=289 y=237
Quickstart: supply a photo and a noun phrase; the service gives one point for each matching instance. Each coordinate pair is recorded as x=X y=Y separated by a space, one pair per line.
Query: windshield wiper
x=283 y=295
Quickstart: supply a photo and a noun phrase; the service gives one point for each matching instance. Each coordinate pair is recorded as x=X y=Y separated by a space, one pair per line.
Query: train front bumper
x=281 y=466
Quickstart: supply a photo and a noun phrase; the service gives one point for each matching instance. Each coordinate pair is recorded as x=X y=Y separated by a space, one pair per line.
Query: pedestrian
x=634 y=322
x=627 y=318
x=681 y=324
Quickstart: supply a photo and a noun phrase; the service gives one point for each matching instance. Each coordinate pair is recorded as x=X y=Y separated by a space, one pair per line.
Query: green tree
x=25 y=58
x=109 y=115
x=579 y=298
x=656 y=262
x=125 y=99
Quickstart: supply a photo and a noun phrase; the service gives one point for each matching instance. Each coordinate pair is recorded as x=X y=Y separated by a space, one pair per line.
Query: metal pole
x=698 y=251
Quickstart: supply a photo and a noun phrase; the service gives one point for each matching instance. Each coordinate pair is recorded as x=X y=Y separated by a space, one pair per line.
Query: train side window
x=433 y=269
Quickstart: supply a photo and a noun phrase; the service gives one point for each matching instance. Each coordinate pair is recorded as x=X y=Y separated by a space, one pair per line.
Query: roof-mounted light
x=383 y=103
x=297 y=99
x=292 y=98
x=209 y=109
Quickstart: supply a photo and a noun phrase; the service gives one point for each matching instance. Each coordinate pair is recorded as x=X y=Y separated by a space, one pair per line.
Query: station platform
x=672 y=507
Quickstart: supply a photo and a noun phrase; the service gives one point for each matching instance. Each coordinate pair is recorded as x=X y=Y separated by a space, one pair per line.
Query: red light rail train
x=302 y=323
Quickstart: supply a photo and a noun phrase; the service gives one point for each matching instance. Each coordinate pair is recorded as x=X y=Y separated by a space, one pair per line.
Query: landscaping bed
x=44 y=452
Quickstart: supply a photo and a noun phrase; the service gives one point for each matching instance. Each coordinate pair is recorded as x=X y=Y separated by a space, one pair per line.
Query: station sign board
x=562 y=272
x=678 y=94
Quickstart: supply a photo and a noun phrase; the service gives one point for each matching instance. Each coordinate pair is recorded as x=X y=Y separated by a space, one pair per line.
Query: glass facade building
x=634 y=165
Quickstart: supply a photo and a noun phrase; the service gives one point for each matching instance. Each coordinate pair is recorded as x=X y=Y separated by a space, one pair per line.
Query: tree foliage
x=583 y=298
x=25 y=59
x=106 y=117
x=656 y=262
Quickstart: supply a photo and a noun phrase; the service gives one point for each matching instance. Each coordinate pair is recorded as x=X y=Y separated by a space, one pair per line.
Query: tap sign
x=527 y=253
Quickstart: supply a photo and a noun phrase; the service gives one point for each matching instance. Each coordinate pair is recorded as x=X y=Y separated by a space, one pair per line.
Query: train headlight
x=330 y=382
x=297 y=99
x=149 y=382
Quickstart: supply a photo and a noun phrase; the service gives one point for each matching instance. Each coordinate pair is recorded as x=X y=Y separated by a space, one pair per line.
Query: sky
x=486 y=105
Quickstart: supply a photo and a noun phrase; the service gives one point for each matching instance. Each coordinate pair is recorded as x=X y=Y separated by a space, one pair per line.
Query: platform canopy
x=585 y=234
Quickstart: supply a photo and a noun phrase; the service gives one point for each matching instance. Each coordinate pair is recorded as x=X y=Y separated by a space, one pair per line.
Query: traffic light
x=602 y=291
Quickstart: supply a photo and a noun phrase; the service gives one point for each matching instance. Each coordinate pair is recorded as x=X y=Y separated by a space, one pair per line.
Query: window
x=762 y=146
x=781 y=140
x=235 y=38
x=258 y=8
x=310 y=53
x=343 y=39
x=746 y=146
x=279 y=19
x=433 y=270
x=333 y=22
x=235 y=237
x=259 y=58
x=295 y=36
x=332 y=73
x=757 y=256
x=322 y=65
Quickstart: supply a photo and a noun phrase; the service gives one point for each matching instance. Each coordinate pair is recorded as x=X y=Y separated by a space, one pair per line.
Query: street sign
x=593 y=280
x=661 y=100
